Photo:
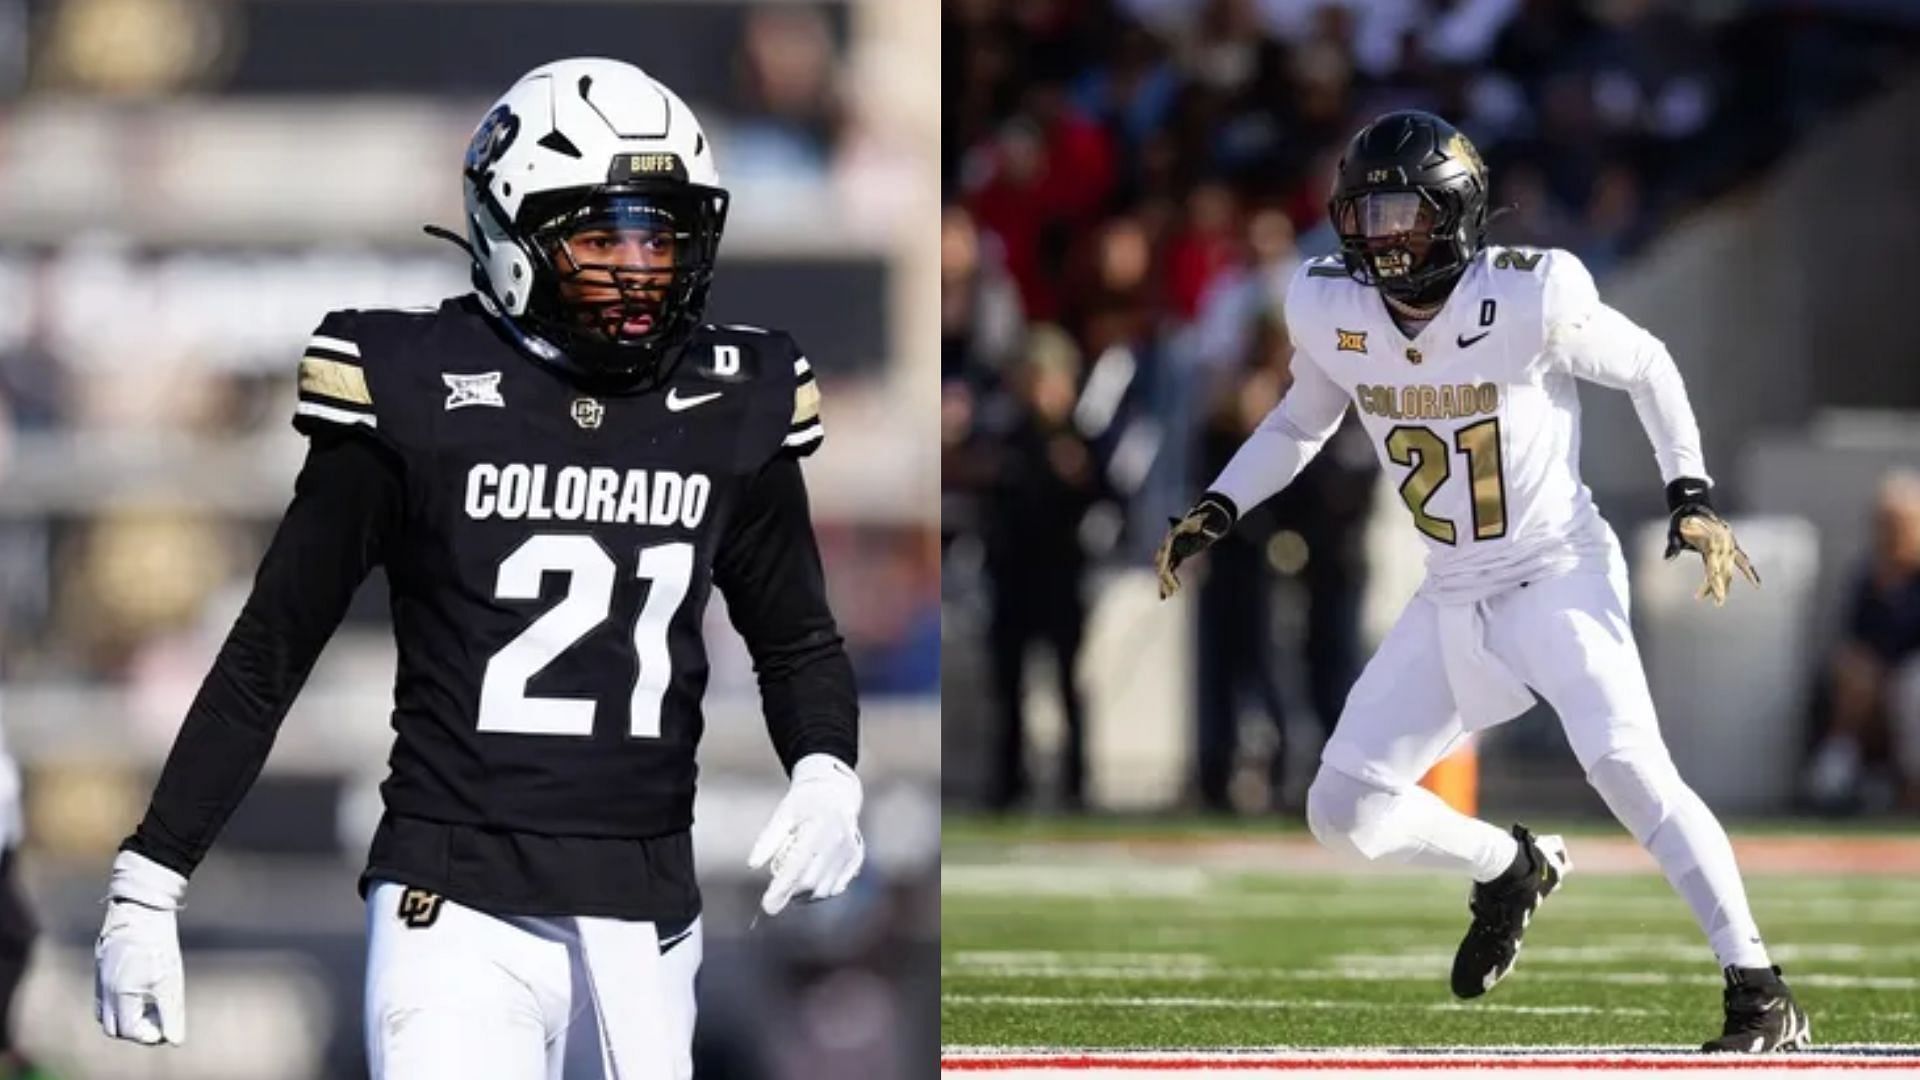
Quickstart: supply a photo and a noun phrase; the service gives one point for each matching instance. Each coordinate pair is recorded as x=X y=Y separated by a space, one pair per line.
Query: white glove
x=139 y=987
x=814 y=839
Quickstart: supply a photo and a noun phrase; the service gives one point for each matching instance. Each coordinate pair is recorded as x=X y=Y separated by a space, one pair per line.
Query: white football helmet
x=593 y=146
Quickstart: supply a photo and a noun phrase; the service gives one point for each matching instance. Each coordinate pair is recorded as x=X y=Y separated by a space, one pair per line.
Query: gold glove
x=1210 y=519
x=1709 y=534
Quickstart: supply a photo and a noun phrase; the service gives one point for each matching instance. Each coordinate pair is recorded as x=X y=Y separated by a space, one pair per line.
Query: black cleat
x=1502 y=908
x=1762 y=1016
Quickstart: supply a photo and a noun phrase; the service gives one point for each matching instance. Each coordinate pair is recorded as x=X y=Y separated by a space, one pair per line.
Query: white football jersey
x=1476 y=416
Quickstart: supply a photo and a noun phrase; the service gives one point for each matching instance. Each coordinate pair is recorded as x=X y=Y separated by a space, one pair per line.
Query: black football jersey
x=548 y=581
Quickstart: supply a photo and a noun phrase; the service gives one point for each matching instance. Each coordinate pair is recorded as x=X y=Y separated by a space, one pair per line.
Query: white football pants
x=454 y=993
x=1568 y=638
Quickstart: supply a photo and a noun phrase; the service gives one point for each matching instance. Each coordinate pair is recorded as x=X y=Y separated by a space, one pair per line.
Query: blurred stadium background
x=1128 y=186
x=188 y=185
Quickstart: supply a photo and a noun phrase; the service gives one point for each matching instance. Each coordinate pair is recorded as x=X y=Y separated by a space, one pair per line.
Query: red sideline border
x=1891 y=1059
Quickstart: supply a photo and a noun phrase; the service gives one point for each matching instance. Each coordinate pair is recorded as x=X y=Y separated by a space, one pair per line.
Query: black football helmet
x=1410 y=206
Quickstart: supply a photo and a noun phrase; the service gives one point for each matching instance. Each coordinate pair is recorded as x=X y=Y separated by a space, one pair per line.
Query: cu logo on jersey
x=588 y=413
x=491 y=141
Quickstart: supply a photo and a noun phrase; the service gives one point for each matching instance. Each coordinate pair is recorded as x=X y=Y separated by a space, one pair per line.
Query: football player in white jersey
x=1462 y=360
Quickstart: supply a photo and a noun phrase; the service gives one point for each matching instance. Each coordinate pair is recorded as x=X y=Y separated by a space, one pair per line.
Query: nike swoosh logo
x=1463 y=341
x=676 y=403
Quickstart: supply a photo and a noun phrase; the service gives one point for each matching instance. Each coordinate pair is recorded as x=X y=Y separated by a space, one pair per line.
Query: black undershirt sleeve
x=768 y=566
x=346 y=503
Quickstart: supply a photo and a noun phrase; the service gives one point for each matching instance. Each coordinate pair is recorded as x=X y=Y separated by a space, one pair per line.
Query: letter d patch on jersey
x=419 y=908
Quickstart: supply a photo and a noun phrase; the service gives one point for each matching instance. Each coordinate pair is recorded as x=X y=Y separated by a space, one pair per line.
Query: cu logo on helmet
x=490 y=143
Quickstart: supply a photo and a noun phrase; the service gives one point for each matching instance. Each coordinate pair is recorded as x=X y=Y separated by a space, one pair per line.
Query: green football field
x=1104 y=935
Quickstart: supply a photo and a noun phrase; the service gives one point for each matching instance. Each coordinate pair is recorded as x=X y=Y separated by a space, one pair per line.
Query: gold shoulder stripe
x=334 y=344
x=806 y=402
x=338 y=416
x=334 y=379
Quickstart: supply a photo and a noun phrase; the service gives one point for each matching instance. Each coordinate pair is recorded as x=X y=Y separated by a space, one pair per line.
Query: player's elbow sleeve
x=775 y=662
x=1655 y=369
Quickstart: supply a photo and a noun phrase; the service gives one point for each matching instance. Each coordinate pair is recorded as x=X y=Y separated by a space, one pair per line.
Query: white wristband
x=139 y=880
x=827 y=769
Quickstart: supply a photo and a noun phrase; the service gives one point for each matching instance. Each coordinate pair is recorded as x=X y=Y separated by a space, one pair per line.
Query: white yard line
x=1098 y=879
x=1571 y=1051
x=1544 y=964
x=1092 y=972
x=1195 y=902
x=1365 y=1063
x=1041 y=1001
x=1122 y=973
x=990 y=957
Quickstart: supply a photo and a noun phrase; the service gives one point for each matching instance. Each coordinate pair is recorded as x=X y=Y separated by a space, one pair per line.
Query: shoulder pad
x=805 y=433
x=1567 y=291
x=1526 y=260
x=1314 y=277
x=786 y=411
x=345 y=381
x=334 y=392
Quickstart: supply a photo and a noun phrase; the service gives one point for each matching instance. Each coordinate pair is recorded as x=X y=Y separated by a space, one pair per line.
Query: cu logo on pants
x=419 y=908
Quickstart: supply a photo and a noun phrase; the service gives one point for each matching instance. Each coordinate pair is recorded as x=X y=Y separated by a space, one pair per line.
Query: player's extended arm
x=346 y=501
x=1603 y=346
x=1271 y=457
x=769 y=568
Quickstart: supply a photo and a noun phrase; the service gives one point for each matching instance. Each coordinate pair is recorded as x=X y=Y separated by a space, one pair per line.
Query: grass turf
x=1052 y=942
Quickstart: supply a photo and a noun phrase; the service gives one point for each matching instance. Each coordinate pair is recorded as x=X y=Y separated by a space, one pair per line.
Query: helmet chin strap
x=453 y=238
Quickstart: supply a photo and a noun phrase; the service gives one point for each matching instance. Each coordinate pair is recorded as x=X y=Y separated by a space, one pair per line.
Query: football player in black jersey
x=555 y=471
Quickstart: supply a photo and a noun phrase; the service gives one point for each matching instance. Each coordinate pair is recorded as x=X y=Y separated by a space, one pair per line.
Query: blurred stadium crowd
x=1129 y=185
x=189 y=186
